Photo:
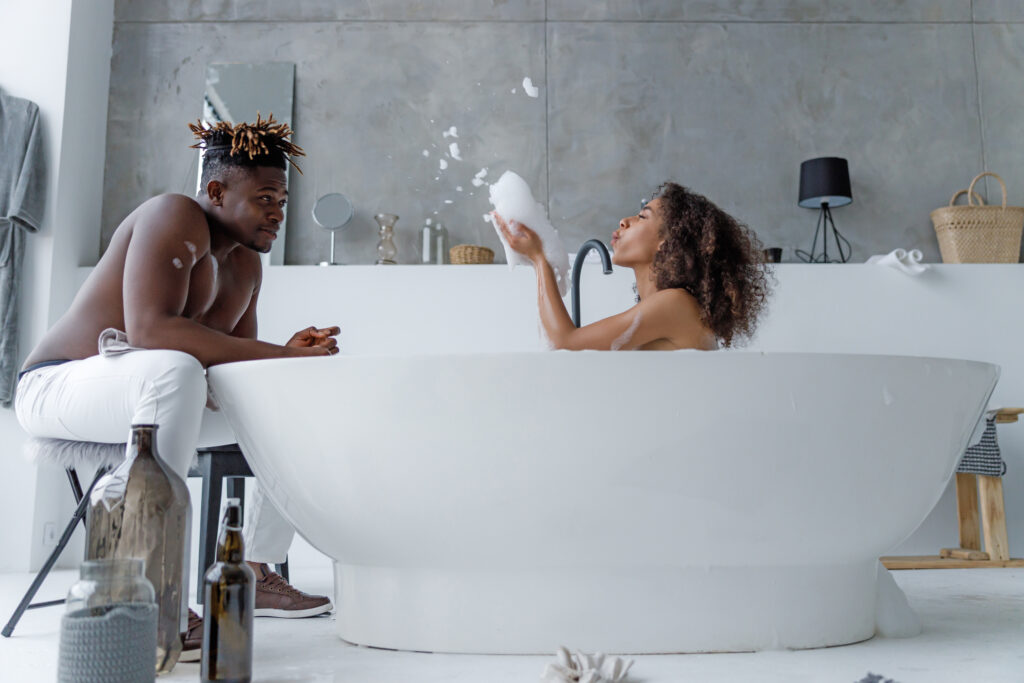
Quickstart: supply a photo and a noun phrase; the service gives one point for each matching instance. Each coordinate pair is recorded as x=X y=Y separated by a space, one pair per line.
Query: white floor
x=973 y=631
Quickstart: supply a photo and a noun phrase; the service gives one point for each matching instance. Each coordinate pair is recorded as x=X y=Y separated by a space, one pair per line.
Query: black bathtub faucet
x=577 y=266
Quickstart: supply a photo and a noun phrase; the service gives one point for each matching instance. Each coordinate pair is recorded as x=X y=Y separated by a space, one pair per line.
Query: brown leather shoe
x=275 y=597
x=192 y=639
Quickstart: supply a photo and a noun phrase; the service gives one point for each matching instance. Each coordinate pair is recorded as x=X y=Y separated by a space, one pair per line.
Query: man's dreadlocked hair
x=246 y=145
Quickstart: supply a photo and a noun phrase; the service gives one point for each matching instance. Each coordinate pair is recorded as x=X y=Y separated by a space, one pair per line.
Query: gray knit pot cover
x=117 y=647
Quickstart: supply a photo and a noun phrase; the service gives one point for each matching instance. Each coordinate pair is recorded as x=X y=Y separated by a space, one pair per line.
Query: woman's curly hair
x=715 y=258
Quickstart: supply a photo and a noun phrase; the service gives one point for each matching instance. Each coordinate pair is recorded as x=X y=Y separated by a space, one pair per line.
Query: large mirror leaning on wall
x=235 y=93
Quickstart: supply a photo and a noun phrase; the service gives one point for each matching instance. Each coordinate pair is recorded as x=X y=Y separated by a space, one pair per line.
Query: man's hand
x=318 y=341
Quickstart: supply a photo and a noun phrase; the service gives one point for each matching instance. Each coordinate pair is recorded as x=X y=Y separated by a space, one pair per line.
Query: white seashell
x=556 y=673
x=615 y=669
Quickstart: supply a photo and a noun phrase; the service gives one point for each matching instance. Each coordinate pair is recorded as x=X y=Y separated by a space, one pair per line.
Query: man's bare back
x=185 y=274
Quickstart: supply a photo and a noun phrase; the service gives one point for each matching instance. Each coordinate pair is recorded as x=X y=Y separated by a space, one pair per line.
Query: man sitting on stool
x=180 y=277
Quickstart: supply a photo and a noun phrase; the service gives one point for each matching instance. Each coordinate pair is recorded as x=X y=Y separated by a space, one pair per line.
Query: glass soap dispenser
x=387 y=252
x=434 y=240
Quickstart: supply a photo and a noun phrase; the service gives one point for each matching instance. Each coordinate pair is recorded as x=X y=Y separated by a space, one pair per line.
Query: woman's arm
x=657 y=317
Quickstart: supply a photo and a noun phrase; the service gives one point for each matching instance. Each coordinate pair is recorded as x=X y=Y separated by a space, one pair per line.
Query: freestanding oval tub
x=622 y=502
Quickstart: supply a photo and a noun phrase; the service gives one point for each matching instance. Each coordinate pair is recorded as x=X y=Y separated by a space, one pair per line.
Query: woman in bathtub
x=700 y=279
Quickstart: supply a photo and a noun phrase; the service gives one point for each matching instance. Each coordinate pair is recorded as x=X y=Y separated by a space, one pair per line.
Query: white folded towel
x=907 y=262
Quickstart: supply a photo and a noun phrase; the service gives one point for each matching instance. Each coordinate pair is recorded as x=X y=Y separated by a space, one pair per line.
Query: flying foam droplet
x=426 y=153
x=529 y=88
x=453 y=150
x=452 y=132
x=443 y=164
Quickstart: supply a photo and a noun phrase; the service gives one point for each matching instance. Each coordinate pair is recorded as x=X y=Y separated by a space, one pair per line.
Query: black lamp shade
x=825 y=180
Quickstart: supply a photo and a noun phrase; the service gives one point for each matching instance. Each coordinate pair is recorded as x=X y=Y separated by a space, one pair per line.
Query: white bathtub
x=619 y=502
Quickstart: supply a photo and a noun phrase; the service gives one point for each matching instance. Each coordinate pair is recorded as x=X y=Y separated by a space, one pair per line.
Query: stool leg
x=282 y=569
x=26 y=602
x=967 y=511
x=993 y=517
x=209 y=511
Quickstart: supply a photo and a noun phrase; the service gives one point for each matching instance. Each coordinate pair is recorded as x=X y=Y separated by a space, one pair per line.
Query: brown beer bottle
x=229 y=588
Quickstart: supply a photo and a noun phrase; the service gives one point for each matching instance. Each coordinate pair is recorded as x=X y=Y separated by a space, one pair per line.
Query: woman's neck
x=644 y=280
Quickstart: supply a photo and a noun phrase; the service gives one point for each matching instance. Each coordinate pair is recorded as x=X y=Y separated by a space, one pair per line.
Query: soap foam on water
x=529 y=88
x=513 y=200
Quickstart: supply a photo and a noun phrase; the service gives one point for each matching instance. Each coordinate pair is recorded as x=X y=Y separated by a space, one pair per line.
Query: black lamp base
x=824 y=225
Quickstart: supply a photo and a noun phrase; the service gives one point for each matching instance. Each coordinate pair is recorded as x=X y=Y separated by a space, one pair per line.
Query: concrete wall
x=60 y=59
x=726 y=96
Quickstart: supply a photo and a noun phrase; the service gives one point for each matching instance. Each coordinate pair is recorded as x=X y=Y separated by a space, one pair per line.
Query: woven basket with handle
x=977 y=233
x=465 y=254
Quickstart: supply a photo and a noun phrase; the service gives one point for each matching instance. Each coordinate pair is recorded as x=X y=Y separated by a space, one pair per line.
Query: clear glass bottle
x=387 y=252
x=108 y=632
x=230 y=592
x=106 y=584
x=149 y=523
x=434 y=242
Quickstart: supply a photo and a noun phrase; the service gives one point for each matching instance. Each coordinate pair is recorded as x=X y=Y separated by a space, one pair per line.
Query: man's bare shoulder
x=174 y=210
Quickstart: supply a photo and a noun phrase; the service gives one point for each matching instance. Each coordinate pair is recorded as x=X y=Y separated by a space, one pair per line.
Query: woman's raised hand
x=522 y=240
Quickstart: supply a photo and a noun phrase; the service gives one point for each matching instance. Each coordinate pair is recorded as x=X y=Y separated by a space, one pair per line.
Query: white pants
x=99 y=398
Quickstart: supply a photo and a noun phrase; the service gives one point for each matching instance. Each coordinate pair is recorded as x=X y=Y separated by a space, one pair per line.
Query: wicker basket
x=465 y=254
x=979 y=233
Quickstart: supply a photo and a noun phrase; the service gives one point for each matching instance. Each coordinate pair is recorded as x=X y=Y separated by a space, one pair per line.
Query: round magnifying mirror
x=330 y=212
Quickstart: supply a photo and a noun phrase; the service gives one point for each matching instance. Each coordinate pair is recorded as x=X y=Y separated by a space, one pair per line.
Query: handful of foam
x=513 y=200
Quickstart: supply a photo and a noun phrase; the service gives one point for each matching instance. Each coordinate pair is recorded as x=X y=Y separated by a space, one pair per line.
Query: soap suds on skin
x=529 y=88
x=624 y=338
x=192 y=250
x=177 y=263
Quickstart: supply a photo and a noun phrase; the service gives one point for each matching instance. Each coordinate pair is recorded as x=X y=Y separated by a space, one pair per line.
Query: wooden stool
x=972 y=490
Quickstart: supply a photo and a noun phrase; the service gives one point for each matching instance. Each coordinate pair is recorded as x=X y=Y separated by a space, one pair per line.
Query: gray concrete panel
x=732 y=109
x=999 y=10
x=329 y=10
x=369 y=99
x=762 y=10
x=1001 y=73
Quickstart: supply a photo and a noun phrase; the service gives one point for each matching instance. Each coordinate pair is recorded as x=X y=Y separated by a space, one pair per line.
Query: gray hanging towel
x=22 y=199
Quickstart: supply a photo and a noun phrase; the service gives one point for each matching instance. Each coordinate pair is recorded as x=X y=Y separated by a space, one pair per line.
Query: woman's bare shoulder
x=672 y=298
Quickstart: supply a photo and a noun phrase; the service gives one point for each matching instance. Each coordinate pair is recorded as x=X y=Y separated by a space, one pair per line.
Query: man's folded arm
x=158 y=268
